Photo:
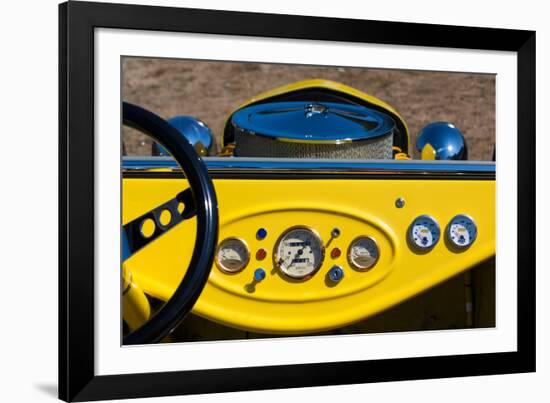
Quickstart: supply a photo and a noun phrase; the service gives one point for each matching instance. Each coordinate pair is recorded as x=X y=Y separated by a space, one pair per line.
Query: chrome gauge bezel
x=221 y=266
x=283 y=270
x=350 y=260
x=410 y=236
x=450 y=242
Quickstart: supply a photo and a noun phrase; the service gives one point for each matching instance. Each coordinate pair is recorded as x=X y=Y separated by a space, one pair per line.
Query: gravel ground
x=212 y=90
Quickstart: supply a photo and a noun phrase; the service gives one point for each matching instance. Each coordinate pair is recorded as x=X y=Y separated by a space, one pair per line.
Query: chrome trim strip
x=293 y=165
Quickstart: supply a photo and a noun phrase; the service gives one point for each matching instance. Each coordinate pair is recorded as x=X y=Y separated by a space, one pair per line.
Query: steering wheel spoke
x=199 y=200
x=179 y=208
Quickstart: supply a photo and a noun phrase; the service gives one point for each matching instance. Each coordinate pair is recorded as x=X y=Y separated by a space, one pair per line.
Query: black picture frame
x=77 y=379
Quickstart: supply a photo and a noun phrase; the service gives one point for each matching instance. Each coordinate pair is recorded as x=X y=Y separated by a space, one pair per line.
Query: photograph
x=270 y=200
x=258 y=201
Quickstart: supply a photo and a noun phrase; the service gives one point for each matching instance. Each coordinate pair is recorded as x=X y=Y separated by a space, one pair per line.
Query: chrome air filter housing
x=312 y=130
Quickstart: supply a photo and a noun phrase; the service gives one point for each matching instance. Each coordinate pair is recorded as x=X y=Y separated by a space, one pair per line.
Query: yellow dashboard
x=306 y=255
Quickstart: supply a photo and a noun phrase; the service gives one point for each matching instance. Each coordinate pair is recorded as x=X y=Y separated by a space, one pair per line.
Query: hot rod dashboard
x=307 y=246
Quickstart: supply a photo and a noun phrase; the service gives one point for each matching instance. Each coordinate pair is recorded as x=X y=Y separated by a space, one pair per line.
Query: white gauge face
x=232 y=255
x=461 y=232
x=299 y=252
x=424 y=233
x=363 y=253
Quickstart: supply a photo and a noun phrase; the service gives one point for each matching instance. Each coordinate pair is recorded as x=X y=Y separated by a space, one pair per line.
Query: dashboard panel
x=306 y=255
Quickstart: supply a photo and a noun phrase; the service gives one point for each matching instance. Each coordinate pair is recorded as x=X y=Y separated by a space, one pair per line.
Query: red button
x=261 y=254
x=335 y=253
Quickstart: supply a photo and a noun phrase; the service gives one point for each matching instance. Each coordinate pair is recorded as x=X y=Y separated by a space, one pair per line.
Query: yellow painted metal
x=326 y=84
x=135 y=306
x=401 y=156
x=428 y=152
x=355 y=206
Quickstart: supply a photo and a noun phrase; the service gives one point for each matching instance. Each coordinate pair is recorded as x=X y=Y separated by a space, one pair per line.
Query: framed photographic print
x=258 y=201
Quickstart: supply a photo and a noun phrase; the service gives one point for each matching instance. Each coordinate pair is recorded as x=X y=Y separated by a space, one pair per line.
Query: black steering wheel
x=199 y=200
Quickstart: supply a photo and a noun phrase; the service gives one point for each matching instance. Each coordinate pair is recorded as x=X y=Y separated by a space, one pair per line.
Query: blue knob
x=261 y=234
x=336 y=274
x=259 y=274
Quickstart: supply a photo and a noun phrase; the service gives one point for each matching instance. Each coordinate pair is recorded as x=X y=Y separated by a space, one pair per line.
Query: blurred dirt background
x=212 y=90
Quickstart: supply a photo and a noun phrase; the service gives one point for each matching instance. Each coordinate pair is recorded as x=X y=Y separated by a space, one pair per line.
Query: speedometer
x=299 y=252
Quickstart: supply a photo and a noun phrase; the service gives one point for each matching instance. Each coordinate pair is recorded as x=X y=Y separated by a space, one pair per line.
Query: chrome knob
x=335 y=274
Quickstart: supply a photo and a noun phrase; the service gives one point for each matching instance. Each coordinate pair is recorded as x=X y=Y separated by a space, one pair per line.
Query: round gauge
x=461 y=231
x=363 y=253
x=299 y=252
x=424 y=233
x=232 y=255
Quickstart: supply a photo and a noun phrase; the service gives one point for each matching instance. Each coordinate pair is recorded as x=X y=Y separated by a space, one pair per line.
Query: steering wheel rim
x=206 y=207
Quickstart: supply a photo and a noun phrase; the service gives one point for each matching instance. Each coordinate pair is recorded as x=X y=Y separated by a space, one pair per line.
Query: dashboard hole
x=147 y=228
x=165 y=217
x=181 y=207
